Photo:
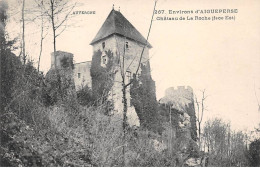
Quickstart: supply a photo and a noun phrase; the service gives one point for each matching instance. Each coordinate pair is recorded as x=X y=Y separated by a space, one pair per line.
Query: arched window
x=104 y=59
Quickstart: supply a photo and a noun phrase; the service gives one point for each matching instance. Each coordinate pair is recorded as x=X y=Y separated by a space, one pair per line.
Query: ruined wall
x=60 y=56
x=115 y=45
x=182 y=100
x=60 y=82
x=80 y=71
x=81 y=74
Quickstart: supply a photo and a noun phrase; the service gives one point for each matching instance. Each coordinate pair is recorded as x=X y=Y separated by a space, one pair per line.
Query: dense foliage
x=85 y=96
x=7 y=60
x=44 y=122
x=102 y=77
x=224 y=146
x=59 y=87
x=143 y=98
x=254 y=153
x=191 y=111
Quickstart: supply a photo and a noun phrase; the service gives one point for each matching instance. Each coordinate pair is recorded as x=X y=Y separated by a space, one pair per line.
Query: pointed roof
x=116 y=23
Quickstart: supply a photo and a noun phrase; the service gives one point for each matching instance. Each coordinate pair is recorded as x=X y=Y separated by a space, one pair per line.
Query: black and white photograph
x=130 y=83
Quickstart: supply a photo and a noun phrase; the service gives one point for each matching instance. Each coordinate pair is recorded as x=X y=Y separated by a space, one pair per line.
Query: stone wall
x=181 y=99
x=60 y=55
x=131 y=56
x=82 y=75
x=60 y=81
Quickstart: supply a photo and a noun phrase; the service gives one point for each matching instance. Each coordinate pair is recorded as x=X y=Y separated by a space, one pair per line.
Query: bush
x=254 y=153
x=85 y=96
x=102 y=77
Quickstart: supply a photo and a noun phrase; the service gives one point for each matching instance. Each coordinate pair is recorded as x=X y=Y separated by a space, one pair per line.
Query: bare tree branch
x=146 y=42
x=65 y=18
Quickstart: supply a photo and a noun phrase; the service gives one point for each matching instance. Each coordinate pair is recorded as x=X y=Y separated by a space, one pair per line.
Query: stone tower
x=181 y=99
x=62 y=58
x=126 y=44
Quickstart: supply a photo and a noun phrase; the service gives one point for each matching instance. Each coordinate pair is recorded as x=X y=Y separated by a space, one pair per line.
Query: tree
x=23 y=32
x=224 y=146
x=143 y=98
x=200 y=108
x=3 y=59
x=102 y=79
x=125 y=84
x=58 y=13
x=254 y=153
x=8 y=59
x=42 y=35
x=257 y=98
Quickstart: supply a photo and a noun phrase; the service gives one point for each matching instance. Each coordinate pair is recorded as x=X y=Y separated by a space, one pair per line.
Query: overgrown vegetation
x=143 y=98
x=254 y=153
x=226 y=147
x=85 y=96
x=44 y=122
x=102 y=77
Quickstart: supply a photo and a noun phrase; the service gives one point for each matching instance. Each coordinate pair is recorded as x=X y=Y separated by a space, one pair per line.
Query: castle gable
x=116 y=23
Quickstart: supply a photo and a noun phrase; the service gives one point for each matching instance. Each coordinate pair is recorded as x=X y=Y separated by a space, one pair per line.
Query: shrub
x=85 y=96
x=254 y=153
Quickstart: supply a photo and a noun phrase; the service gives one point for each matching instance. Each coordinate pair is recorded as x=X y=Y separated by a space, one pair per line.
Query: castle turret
x=63 y=59
x=119 y=38
x=182 y=100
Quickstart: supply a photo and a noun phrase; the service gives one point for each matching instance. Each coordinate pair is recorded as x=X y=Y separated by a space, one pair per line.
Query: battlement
x=181 y=96
x=179 y=90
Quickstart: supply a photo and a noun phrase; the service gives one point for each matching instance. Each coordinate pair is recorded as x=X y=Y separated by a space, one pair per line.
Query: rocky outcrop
x=181 y=104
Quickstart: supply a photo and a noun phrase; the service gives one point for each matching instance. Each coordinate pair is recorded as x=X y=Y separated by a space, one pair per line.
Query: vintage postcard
x=130 y=83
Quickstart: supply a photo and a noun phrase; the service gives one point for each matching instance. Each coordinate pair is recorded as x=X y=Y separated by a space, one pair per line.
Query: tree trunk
x=54 y=33
x=54 y=49
x=199 y=136
x=124 y=119
x=40 y=44
x=23 y=34
x=170 y=144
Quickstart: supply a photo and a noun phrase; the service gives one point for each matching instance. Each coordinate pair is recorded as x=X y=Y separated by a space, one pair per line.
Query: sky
x=222 y=57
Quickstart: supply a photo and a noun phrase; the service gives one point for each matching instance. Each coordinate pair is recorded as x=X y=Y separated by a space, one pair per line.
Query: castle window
x=103 y=45
x=128 y=75
x=79 y=75
x=126 y=45
x=104 y=59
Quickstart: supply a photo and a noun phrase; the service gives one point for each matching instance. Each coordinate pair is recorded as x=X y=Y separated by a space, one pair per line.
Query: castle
x=121 y=56
x=117 y=48
x=126 y=45
x=181 y=99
